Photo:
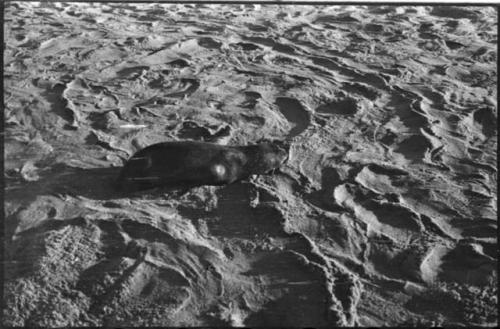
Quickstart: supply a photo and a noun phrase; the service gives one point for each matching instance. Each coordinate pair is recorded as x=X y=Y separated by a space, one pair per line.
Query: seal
x=189 y=164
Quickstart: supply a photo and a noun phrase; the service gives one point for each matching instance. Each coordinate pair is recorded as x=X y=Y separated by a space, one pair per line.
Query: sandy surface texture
x=384 y=214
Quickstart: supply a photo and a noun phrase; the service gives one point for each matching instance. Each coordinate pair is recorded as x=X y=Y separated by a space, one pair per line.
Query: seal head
x=266 y=156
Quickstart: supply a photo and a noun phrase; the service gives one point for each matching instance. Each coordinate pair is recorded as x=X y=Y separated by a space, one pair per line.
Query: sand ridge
x=385 y=213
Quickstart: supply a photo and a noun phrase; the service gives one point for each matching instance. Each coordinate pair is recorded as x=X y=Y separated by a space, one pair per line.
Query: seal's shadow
x=94 y=183
x=61 y=179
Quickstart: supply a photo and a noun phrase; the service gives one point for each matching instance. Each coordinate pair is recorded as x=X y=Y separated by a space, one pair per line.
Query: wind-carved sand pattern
x=384 y=214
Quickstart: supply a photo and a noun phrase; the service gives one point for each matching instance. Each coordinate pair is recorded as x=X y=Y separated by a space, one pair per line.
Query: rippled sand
x=385 y=213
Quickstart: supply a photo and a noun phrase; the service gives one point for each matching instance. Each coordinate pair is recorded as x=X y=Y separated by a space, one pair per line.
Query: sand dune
x=384 y=214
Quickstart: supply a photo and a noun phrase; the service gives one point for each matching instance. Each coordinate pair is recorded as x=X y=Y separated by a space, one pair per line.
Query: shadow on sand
x=61 y=179
x=94 y=183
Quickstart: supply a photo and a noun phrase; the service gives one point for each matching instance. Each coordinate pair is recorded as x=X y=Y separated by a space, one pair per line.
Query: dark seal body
x=188 y=164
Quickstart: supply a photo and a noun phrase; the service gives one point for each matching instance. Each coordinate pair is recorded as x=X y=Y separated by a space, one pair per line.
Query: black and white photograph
x=249 y=164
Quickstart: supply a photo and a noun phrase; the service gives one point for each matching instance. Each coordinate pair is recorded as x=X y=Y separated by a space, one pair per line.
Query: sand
x=384 y=214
